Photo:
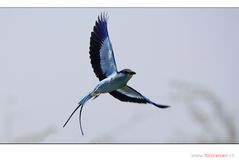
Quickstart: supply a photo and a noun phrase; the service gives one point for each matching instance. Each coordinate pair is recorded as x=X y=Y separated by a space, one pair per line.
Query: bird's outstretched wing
x=128 y=94
x=101 y=51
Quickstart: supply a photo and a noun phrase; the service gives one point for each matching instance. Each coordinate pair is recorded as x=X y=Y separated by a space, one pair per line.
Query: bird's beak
x=133 y=73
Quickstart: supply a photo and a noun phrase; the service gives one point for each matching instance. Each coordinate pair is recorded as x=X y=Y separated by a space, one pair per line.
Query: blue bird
x=103 y=63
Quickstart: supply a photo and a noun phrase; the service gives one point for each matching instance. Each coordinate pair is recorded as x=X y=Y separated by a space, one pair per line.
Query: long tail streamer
x=81 y=104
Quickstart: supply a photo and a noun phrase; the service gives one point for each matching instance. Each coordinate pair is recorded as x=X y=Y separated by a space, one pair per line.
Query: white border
x=119 y=3
x=117 y=155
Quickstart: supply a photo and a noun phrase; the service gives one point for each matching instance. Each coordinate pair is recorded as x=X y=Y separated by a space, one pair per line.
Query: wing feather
x=128 y=94
x=101 y=51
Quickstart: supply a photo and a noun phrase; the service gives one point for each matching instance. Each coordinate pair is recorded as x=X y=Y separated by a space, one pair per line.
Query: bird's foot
x=95 y=96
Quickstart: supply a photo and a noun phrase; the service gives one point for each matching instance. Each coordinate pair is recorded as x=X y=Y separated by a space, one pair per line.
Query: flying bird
x=104 y=66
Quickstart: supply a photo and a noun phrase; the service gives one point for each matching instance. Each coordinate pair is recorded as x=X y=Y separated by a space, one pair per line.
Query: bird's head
x=127 y=72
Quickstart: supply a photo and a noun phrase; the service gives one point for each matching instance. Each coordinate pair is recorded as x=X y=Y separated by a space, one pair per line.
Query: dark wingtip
x=103 y=17
x=160 y=105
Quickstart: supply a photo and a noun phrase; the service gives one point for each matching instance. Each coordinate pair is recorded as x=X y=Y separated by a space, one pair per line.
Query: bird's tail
x=80 y=104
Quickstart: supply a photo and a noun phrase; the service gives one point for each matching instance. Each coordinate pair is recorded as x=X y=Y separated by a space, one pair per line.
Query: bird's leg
x=95 y=96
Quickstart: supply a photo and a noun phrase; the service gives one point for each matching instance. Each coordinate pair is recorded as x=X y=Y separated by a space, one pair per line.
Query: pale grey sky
x=45 y=69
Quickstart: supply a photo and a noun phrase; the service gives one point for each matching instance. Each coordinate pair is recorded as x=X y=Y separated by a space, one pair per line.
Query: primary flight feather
x=103 y=63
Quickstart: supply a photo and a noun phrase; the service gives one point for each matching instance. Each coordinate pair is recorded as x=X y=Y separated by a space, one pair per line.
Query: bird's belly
x=109 y=85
